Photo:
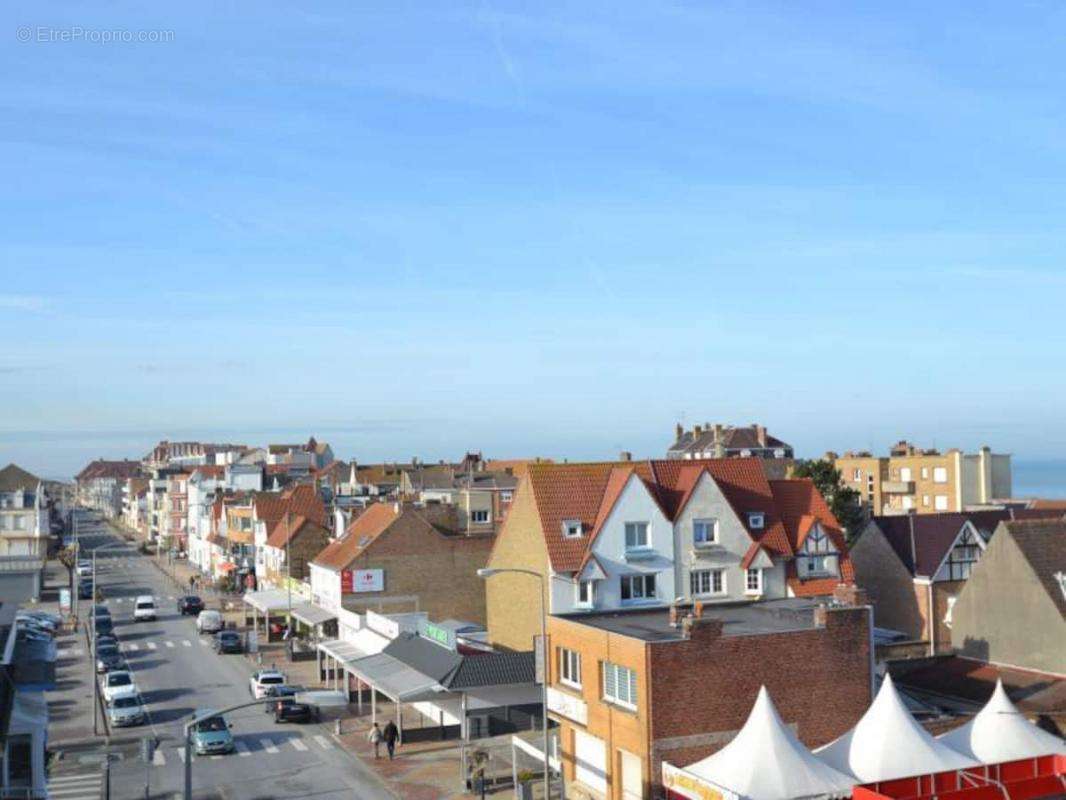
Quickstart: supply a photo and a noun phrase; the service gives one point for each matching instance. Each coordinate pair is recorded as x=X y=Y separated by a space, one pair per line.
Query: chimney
x=760 y=435
x=625 y=455
x=678 y=612
x=697 y=431
x=679 y=431
x=719 y=429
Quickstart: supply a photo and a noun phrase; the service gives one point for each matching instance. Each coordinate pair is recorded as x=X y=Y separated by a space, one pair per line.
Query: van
x=209 y=621
x=144 y=608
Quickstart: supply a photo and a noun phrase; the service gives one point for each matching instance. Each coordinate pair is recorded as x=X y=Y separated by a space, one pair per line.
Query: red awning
x=227 y=566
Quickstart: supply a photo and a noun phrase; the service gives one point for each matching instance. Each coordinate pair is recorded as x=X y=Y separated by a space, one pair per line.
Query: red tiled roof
x=210 y=470
x=286 y=529
x=801 y=505
x=302 y=500
x=109 y=469
x=364 y=529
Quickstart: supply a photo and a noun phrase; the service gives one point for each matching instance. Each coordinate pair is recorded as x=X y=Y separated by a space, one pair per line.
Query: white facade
x=24 y=522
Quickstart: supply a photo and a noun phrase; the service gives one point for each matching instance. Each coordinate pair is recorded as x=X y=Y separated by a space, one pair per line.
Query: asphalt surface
x=177 y=673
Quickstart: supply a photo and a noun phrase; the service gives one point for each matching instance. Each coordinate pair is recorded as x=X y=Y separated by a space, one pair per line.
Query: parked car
x=144 y=608
x=104 y=640
x=209 y=621
x=103 y=626
x=190 y=605
x=85 y=589
x=126 y=711
x=27 y=624
x=28 y=635
x=118 y=683
x=100 y=610
x=35 y=621
x=228 y=642
x=212 y=736
x=288 y=709
x=84 y=569
x=262 y=680
x=44 y=616
x=279 y=691
x=108 y=658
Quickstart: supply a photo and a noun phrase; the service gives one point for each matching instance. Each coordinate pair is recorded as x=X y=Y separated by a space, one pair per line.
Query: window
x=941 y=502
x=856 y=475
x=756 y=520
x=571 y=528
x=925 y=500
x=585 y=593
x=908 y=501
x=705 y=531
x=707 y=582
x=637 y=536
x=569 y=667
x=619 y=685
x=753 y=581
x=925 y=473
x=505 y=497
x=818 y=553
x=638 y=587
x=940 y=474
x=479 y=515
x=963 y=556
x=905 y=474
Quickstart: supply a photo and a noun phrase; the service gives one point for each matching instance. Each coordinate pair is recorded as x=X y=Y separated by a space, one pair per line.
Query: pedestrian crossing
x=244 y=749
x=80 y=786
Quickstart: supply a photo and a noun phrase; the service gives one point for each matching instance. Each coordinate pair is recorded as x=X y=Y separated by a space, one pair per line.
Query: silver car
x=126 y=711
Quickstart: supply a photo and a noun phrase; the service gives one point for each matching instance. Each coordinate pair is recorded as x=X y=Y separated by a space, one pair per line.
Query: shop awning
x=227 y=566
x=268 y=600
x=311 y=614
x=344 y=652
x=395 y=679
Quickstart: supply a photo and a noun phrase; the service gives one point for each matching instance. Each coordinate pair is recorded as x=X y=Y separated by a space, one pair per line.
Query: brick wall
x=513 y=601
x=819 y=679
x=440 y=570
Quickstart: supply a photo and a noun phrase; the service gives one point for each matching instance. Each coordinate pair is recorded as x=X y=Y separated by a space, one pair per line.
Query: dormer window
x=756 y=520
x=571 y=528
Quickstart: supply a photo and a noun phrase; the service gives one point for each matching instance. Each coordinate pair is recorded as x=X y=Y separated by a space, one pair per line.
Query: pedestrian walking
x=390 y=735
x=374 y=737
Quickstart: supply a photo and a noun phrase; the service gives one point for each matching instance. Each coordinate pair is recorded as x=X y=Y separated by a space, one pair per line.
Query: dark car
x=280 y=692
x=104 y=640
x=286 y=709
x=102 y=626
x=85 y=589
x=228 y=642
x=108 y=658
x=100 y=610
x=190 y=605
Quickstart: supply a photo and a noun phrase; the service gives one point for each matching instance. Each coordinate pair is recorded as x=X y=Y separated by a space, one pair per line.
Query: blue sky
x=531 y=228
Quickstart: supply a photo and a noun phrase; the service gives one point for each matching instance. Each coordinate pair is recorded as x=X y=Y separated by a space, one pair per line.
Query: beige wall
x=886 y=471
x=513 y=601
x=888 y=584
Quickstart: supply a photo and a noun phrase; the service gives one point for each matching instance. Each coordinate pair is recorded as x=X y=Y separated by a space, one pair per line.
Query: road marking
x=268 y=745
x=186 y=642
x=323 y=741
x=216 y=758
x=67 y=780
x=150 y=645
x=181 y=754
x=132 y=647
x=299 y=745
x=242 y=749
x=158 y=759
x=169 y=644
x=205 y=643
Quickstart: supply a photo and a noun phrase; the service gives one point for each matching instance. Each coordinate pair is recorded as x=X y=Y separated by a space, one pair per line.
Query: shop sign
x=445 y=637
x=362 y=580
x=347 y=581
x=566 y=705
x=688 y=785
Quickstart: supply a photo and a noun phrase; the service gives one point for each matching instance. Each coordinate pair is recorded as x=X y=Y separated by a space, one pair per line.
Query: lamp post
x=488 y=572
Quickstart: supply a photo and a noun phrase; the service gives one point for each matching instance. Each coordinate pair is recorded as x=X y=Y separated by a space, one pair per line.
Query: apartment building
x=727 y=441
x=925 y=481
x=621 y=535
x=100 y=485
x=25 y=519
x=630 y=689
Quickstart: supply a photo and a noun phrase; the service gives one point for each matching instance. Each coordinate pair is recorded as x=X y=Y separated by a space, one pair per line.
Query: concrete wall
x=1004 y=615
x=888 y=583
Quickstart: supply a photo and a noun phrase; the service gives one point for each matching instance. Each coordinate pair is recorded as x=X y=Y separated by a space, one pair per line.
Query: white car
x=209 y=621
x=119 y=684
x=263 y=680
x=85 y=569
x=126 y=710
x=144 y=608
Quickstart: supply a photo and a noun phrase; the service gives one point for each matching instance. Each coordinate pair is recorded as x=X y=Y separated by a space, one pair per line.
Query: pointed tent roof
x=887 y=744
x=1000 y=732
x=765 y=761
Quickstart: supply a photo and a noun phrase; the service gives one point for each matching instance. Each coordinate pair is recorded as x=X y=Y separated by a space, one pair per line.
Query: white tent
x=765 y=761
x=887 y=744
x=1000 y=732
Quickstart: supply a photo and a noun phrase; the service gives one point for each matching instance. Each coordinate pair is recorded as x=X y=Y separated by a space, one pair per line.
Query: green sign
x=435 y=633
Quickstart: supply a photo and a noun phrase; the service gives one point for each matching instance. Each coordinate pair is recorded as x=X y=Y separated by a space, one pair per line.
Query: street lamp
x=488 y=572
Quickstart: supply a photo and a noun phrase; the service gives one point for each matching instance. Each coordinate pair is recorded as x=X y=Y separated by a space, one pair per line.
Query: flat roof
x=738 y=619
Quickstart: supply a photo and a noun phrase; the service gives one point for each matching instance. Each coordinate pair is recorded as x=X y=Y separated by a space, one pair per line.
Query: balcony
x=897 y=487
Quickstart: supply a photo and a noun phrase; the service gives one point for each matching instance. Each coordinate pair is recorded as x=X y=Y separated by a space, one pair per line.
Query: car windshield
x=107 y=650
x=127 y=702
x=145 y=604
x=119 y=679
x=192 y=599
x=271 y=679
x=211 y=725
x=228 y=635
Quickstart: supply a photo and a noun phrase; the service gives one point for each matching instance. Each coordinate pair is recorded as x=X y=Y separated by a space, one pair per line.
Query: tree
x=68 y=558
x=843 y=500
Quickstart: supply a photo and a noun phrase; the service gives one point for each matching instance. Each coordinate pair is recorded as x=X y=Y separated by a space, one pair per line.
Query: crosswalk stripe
x=151 y=645
x=325 y=743
x=169 y=644
x=132 y=647
x=86 y=790
x=205 y=643
x=181 y=754
x=242 y=749
x=298 y=744
x=268 y=745
x=71 y=779
x=158 y=759
x=186 y=642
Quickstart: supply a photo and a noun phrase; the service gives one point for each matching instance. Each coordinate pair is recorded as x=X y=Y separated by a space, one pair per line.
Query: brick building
x=406 y=557
x=631 y=689
x=294 y=542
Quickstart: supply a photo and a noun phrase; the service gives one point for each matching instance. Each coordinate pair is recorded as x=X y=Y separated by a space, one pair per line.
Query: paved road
x=177 y=673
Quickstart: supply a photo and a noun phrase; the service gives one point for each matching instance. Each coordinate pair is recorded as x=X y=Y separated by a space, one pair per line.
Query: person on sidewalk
x=390 y=735
x=374 y=737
